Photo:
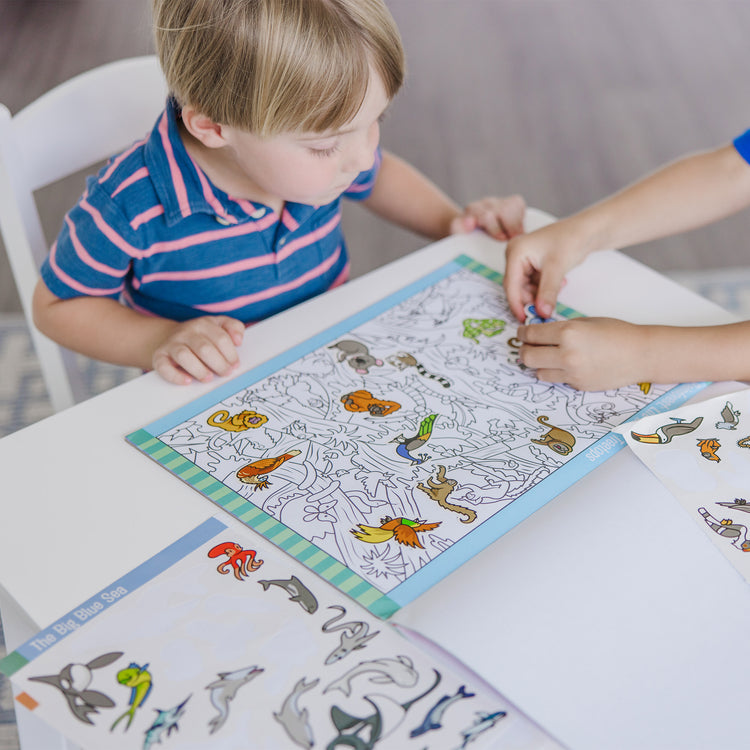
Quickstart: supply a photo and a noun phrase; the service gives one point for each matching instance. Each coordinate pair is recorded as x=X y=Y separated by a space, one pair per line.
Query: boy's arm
x=103 y=329
x=686 y=194
x=404 y=196
x=596 y=354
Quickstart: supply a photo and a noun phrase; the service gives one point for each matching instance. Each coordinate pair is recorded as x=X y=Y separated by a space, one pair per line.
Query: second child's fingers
x=235 y=328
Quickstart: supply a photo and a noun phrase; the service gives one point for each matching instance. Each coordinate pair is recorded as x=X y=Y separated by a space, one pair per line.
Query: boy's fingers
x=169 y=371
x=235 y=328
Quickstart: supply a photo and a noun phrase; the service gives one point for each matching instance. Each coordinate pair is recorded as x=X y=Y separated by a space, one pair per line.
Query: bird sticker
x=407 y=445
x=667 y=432
x=403 y=530
x=256 y=473
x=730 y=418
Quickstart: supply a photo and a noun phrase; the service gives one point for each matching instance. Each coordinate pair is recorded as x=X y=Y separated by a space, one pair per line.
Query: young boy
x=602 y=353
x=230 y=210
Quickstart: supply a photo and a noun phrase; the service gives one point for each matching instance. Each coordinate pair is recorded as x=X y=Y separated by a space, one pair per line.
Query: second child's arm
x=596 y=354
x=404 y=196
x=686 y=194
x=104 y=329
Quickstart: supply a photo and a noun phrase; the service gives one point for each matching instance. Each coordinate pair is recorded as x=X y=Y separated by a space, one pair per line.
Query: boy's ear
x=203 y=128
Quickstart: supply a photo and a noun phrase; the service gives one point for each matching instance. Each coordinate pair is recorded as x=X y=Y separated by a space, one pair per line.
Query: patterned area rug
x=23 y=398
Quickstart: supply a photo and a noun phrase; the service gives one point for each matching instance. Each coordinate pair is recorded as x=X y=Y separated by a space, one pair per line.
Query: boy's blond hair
x=273 y=66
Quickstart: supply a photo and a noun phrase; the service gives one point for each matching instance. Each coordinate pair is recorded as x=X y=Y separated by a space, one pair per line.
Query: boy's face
x=311 y=168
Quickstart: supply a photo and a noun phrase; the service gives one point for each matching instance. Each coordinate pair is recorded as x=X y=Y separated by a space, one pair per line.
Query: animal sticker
x=708 y=448
x=74 y=682
x=667 y=432
x=297 y=591
x=559 y=440
x=140 y=682
x=224 y=690
x=241 y=561
x=407 y=445
x=402 y=360
x=356 y=355
x=354 y=635
x=435 y=715
x=735 y=532
x=476 y=327
x=399 y=671
x=730 y=418
x=403 y=530
x=482 y=723
x=438 y=490
x=164 y=724
x=359 y=401
x=244 y=420
x=256 y=473
x=295 y=720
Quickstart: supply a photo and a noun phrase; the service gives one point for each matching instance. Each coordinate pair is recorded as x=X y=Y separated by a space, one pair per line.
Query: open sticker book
x=389 y=449
x=222 y=641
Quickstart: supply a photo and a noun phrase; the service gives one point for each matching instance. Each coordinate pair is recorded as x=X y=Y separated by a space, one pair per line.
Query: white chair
x=72 y=127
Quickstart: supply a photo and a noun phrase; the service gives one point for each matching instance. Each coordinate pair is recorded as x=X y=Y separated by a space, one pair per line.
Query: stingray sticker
x=74 y=681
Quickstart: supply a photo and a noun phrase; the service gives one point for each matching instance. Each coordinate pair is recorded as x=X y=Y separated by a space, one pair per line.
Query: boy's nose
x=360 y=159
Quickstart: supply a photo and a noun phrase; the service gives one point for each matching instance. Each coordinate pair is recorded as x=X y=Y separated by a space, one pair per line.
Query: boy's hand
x=589 y=354
x=501 y=218
x=535 y=268
x=199 y=348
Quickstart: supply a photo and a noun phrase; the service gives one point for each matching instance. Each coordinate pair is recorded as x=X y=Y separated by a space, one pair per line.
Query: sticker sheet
x=701 y=453
x=222 y=641
x=388 y=450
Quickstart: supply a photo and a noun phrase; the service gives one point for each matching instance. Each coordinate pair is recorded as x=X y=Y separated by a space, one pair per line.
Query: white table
x=622 y=626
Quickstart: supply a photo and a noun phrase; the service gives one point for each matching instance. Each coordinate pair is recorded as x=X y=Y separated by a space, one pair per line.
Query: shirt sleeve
x=742 y=144
x=92 y=255
x=365 y=181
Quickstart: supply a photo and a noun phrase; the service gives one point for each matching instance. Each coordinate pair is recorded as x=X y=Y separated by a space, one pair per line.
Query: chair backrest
x=77 y=124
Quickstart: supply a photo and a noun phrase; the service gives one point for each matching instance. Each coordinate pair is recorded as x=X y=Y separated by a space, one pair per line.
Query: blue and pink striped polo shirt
x=153 y=231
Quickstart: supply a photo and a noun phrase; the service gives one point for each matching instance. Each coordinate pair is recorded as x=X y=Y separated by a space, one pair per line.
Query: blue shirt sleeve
x=742 y=144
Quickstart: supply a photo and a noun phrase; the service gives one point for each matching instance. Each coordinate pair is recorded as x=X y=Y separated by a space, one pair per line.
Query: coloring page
x=223 y=641
x=399 y=443
x=701 y=453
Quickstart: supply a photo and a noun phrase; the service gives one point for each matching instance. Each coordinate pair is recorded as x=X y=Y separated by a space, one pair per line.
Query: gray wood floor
x=563 y=102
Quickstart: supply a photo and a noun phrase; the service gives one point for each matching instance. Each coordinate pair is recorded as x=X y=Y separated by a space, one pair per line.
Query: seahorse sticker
x=438 y=490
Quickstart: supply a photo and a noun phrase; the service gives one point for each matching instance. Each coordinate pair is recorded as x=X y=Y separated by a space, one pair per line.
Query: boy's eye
x=324 y=152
